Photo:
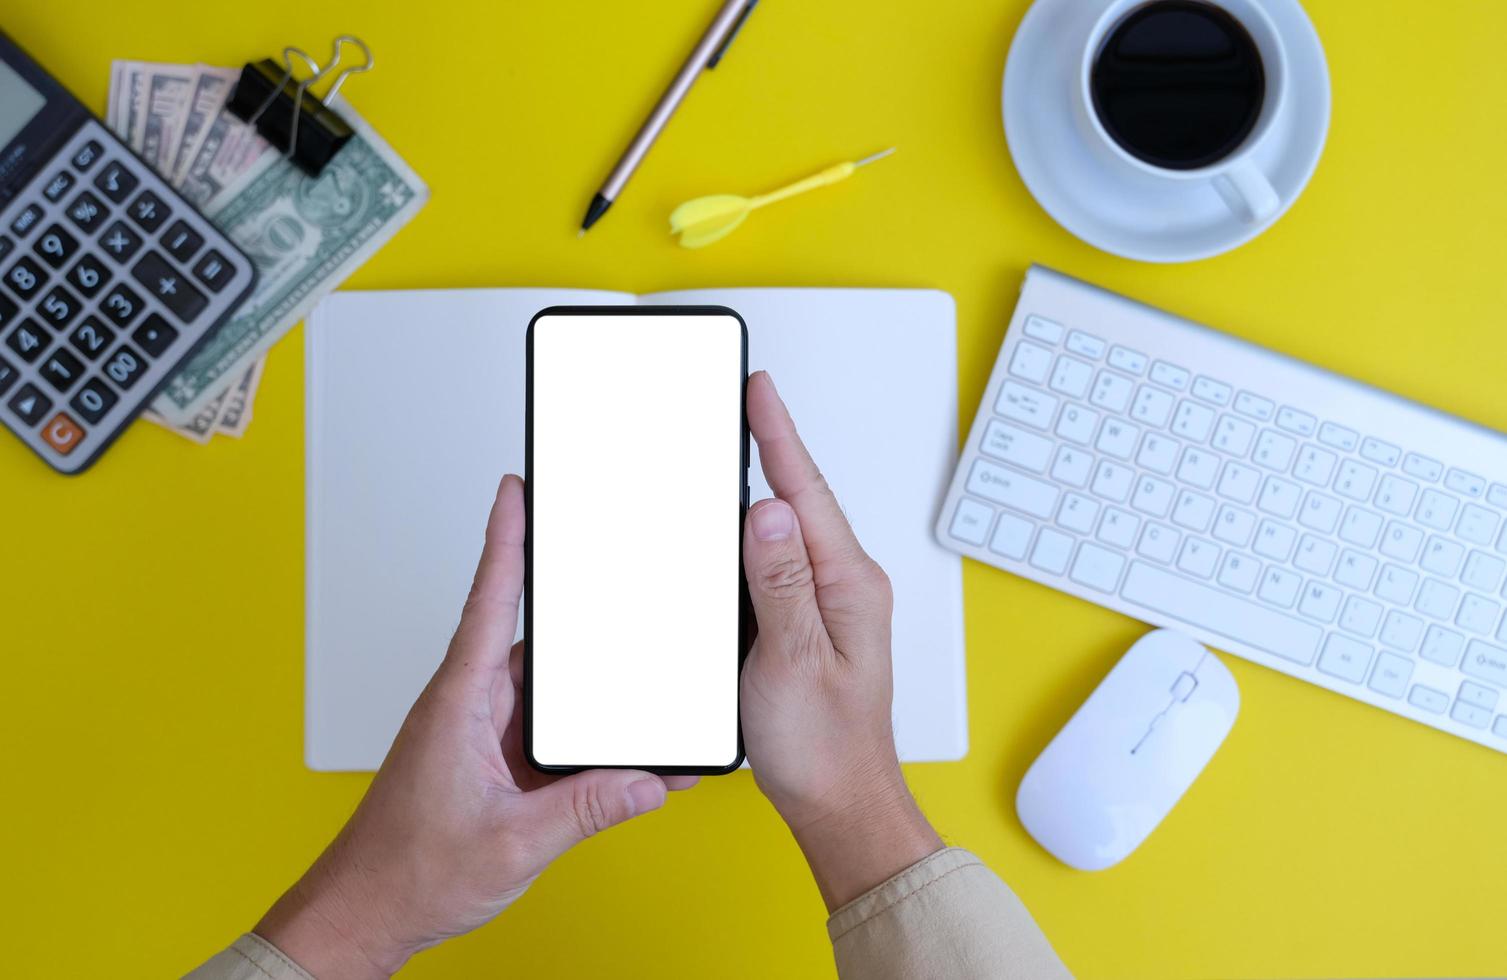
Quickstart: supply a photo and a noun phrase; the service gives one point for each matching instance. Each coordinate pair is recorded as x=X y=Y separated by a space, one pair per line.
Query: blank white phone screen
x=636 y=481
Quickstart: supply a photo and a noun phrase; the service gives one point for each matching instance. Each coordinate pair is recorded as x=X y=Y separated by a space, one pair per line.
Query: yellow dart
x=708 y=219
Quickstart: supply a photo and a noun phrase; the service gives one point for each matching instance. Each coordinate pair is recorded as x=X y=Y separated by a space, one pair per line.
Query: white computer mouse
x=1130 y=752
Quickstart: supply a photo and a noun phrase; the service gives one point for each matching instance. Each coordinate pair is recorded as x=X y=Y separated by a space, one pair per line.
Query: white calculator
x=109 y=279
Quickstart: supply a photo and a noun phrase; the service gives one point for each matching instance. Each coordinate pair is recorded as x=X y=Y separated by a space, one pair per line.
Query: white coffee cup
x=1245 y=189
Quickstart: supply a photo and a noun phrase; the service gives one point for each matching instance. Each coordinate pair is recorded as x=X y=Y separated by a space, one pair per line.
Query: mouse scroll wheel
x=1184 y=686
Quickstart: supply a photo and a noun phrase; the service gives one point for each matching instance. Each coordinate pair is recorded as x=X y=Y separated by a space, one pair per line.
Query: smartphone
x=636 y=612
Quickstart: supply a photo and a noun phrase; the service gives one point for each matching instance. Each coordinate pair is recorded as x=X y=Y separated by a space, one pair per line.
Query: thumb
x=569 y=810
x=780 y=579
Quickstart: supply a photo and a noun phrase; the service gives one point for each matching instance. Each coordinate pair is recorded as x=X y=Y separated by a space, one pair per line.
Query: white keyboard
x=1292 y=516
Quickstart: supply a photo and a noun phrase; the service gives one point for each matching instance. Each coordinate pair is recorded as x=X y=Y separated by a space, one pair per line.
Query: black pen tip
x=599 y=206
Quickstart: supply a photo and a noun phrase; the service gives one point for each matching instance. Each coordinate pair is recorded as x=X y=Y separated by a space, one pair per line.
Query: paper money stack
x=305 y=235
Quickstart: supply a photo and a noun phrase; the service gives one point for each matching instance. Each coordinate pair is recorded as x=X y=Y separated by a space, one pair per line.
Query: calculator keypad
x=108 y=280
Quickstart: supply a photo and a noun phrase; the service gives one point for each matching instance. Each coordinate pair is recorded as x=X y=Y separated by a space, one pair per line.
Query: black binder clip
x=287 y=114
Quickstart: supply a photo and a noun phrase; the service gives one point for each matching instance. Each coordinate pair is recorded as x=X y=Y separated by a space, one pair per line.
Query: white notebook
x=415 y=410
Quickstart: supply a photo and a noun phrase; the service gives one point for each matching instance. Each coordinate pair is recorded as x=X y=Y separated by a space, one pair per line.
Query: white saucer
x=1138 y=215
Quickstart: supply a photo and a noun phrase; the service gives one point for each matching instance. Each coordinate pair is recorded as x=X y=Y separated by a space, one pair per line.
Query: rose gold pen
x=707 y=53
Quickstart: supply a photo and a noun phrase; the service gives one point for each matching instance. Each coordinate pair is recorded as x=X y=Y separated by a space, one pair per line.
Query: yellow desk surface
x=151 y=611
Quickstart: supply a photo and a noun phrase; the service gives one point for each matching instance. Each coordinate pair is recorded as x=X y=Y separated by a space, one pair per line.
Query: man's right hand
x=817 y=687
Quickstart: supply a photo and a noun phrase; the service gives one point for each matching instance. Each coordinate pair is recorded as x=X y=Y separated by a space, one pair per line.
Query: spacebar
x=1219 y=612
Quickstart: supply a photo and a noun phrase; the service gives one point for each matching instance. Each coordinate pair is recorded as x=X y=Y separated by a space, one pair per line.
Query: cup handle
x=1248 y=193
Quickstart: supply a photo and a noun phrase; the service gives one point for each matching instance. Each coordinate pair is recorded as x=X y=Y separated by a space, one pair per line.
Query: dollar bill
x=159 y=103
x=235 y=415
x=305 y=235
x=211 y=88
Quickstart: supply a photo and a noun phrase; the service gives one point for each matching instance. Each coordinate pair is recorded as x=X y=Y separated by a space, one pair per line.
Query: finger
x=677 y=783
x=794 y=476
x=490 y=617
x=564 y=813
x=781 y=582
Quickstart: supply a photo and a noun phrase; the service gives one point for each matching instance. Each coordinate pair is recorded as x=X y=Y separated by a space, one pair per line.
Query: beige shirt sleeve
x=250 y=958
x=947 y=915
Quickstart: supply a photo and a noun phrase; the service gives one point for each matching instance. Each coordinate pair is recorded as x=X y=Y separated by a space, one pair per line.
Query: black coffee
x=1178 y=84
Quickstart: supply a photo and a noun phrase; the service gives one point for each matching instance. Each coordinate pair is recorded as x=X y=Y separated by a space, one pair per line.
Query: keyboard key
x=1478 y=695
x=57 y=186
x=1193 y=421
x=1497 y=495
x=1239 y=483
x=1233 y=435
x=1112 y=391
x=1320 y=600
x=1396 y=584
x=1355 y=570
x=1320 y=512
x=1396 y=495
x=1198 y=557
x=1072 y=466
x=1153 y=496
x=1401 y=631
x=214 y=271
x=88 y=275
x=1442 y=646
x=1275 y=541
x=1437 y=510
x=1355 y=480
x=93 y=400
x=120 y=242
x=1002 y=486
x=1022 y=404
x=62 y=433
x=182 y=242
x=1001 y=440
x=1360 y=527
x=148 y=211
x=1097 y=568
x=28 y=341
x=1071 y=377
x=87 y=155
x=91 y=337
x=124 y=367
x=1052 y=551
x=1280 y=497
x=1086 y=344
x=29 y=404
x=1239 y=572
x=86 y=212
x=1360 y=616
x=55 y=246
x=1429 y=699
x=25 y=277
x=1437 y=599
x=1466 y=483
x=1477 y=524
x=155 y=336
x=121 y=305
x=58 y=308
x=1422 y=467
x=8 y=375
x=1199 y=468
x=970 y=522
x=1218 y=611
x=1152 y=406
x=1077 y=424
x=115 y=182
x=173 y=290
x=1012 y=536
x=62 y=370
x=1339 y=437
x=1077 y=513
x=1254 y=406
x=1469 y=714
x=1125 y=359
x=1402 y=542
x=1483 y=571
x=1279 y=587
x=1118 y=439
x=1158 y=543
x=1216 y=392
x=1477 y=614
x=1380 y=452
x=9 y=312
x=1235 y=526
x=1118 y=528
x=1295 y=421
x=28 y=219
x=1112 y=481
x=1442 y=557
x=1315 y=555
x=1274 y=450
x=1043 y=329
x=1031 y=361
x=1170 y=375
x=1158 y=453
x=1391 y=674
x=1345 y=658
x=1194 y=511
